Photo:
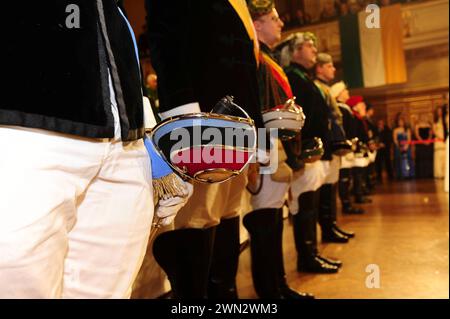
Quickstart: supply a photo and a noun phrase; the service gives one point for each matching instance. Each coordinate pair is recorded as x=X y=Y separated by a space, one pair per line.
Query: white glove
x=263 y=157
x=167 y=209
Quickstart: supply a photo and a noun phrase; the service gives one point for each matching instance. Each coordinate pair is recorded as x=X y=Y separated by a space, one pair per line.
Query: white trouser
x=361 y=162
x=331 y=170
x=372 y=157
x=348 y=161
x=75 y=215
x=306 y=180
x=272 y=195
x=152 y=281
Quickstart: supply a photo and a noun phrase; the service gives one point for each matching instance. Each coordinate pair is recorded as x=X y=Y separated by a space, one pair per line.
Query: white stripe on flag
x=372 y=59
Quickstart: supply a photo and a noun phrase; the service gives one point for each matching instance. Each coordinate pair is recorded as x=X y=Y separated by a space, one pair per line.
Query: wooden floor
x=405 y=231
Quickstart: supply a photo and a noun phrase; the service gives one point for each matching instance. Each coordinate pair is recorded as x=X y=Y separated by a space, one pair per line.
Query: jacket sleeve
x=347 y=123
x=170 y=29
x=361 y=131
x=303 y=98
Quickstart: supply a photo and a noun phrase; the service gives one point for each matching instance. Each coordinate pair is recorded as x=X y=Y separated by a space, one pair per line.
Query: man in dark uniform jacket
x=325 y=73
x=373 y=142
x=302 y=54
x=361 y=130
x=203 y=50
x=340 y=92
x=384 y=152
x=76 y=204
x=314 y=106
x=265 y=222
x=70 y=57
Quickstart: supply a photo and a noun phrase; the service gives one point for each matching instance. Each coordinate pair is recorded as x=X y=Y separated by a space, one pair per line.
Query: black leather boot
x=358 y=186
x=263 y=231
x=370 y=181
x=225 y=260
x=346 y=233
x=367 y=190
x=185 y=255
x=351 y=210
x=333 y=262
x=305 y=235
x=336 y=228
x=327 y=215
x=285 y=291
x=332 y=235
x=362 y=200
x=317 y=265
x=345 y=177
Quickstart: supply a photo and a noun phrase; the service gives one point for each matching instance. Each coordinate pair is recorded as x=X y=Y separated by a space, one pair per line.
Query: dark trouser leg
x=372 y=175
x=388 y=164
x=367 y=185
x=379 y=165
x=185 y=255
x=345 y=175
x=225 y=260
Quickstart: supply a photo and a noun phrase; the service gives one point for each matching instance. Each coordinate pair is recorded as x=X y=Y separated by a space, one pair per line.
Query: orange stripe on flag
x=393 y=50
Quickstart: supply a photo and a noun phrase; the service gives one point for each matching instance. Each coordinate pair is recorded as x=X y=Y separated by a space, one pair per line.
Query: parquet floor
x=405 y=232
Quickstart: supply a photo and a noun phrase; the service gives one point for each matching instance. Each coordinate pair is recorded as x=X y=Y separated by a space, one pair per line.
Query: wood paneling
x=412 y=103
x=136 y=14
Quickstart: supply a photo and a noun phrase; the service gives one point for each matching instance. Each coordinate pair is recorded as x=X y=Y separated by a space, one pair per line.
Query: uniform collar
x=301 y=68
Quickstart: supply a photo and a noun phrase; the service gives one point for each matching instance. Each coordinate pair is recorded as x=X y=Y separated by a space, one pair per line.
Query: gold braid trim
x=167 y=187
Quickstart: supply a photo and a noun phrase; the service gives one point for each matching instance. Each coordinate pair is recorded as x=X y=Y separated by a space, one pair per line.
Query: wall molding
x=425 y=24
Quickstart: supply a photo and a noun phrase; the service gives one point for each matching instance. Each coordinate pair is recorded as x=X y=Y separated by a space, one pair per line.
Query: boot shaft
x=304 y=224
x=265 y=230
x=225 y=260
x=185 y=255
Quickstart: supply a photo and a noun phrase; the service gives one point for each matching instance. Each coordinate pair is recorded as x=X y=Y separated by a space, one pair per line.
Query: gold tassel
x=167 y=187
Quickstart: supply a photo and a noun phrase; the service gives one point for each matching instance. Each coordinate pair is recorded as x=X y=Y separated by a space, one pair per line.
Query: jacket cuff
x=149 y=117
x=189 y=108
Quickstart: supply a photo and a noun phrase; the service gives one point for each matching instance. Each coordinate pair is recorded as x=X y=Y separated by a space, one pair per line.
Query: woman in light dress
x=446 y=182
x=439 y=129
